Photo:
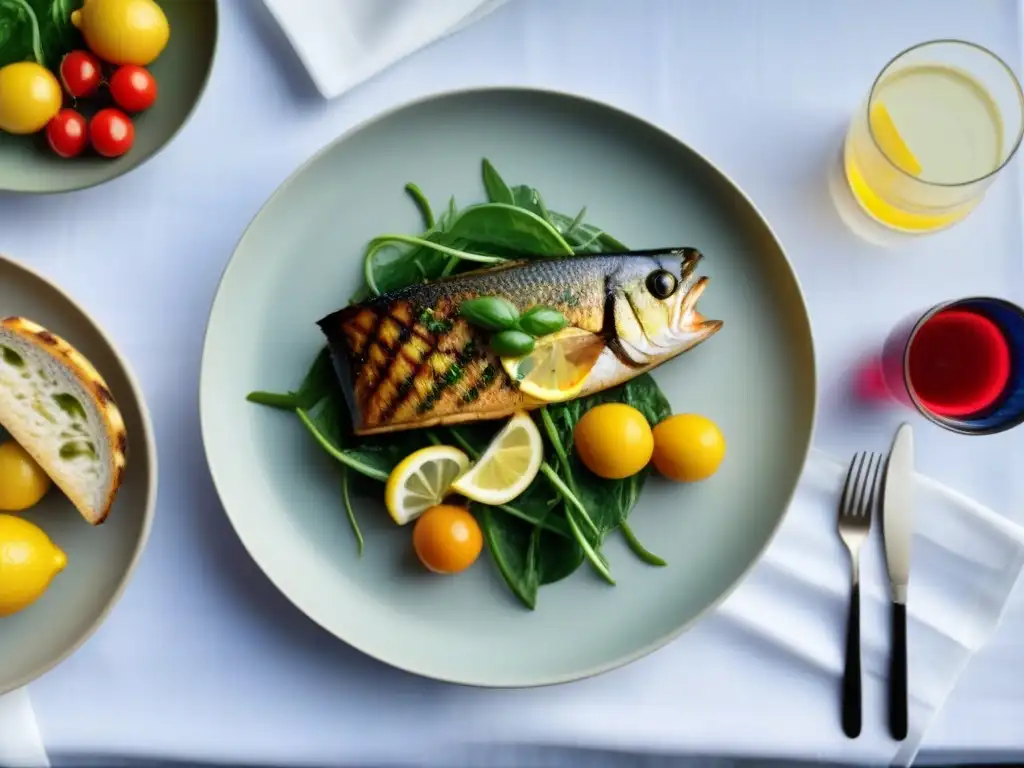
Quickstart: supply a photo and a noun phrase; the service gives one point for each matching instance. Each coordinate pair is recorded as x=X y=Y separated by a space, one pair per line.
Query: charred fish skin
x=406 y=359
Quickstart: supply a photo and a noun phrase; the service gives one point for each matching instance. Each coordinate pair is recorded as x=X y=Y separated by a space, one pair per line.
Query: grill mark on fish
x=451 y=376
x=408 y=386
x=395 y=351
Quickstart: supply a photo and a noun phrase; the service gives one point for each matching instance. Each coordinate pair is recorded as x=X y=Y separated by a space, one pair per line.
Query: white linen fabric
x=20 y=743
x=344 y=42
x=203 y=659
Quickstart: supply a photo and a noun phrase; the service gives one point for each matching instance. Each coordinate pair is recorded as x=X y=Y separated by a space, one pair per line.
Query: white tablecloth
x=203 y=653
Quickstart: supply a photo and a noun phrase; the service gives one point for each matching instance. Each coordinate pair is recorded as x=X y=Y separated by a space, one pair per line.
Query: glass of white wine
x=940 y=122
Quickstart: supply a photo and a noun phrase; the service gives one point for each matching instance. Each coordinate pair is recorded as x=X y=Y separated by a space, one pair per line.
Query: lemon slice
x=890 y=141
x=421 y=480
x=558 y=366
x=508 y=466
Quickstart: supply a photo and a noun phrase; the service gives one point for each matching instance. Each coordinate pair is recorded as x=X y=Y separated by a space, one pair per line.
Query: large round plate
x=102 y=558
x=301 y=258
x=181 y=72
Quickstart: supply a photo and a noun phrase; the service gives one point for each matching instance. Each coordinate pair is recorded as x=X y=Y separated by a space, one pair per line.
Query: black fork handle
x=898 y=716
x=851 y=673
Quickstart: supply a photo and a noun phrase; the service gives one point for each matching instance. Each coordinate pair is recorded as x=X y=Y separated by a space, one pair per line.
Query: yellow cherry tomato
x=688 y=447
x=22 y=482
x=614 y=440
x=447 y=539
x=30 y=96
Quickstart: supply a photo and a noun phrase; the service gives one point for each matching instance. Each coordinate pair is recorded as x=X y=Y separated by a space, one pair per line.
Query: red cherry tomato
x=111 y=132
x=80 y=74
x=67 y=133
x=133 y=88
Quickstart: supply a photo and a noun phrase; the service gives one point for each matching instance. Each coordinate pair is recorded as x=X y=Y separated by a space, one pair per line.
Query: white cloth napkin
x=20 y=743
x=344 y=42
x=774 y=650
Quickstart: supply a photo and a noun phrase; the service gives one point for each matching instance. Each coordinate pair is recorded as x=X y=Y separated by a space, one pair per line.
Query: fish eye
x=661 y=283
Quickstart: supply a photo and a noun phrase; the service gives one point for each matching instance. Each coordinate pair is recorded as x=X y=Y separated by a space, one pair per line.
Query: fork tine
x=857 y=492
x=870 y=487
x=847 y=486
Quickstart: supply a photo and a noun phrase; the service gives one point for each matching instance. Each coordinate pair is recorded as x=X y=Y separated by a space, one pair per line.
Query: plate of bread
x=77 y=475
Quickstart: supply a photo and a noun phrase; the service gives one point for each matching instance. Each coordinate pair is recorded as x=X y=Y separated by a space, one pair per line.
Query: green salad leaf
x=37 y=30
x=563 y=518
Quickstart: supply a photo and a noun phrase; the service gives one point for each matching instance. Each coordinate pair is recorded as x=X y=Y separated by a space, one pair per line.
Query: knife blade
x=897 y=530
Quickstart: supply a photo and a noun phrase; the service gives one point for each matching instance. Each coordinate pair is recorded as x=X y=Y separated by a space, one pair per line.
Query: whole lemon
x=123 y=31
x=23 y=483
x=613 y=440
x=28 y=563
x=29 y=97
x=688 y=447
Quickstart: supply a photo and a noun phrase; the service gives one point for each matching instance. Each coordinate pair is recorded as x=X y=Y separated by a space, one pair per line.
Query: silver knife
x=897 y=529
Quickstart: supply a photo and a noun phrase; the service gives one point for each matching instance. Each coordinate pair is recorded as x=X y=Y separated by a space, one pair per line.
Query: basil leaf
x=492 y=313
x=540 y=321
x=512 y=343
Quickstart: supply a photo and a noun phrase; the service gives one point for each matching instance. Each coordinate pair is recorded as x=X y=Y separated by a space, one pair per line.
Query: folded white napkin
x=20 y=743
x=765 y=669
x=344 y=42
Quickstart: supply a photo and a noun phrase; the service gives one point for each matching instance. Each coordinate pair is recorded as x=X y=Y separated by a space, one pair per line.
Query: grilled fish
x=406 y=359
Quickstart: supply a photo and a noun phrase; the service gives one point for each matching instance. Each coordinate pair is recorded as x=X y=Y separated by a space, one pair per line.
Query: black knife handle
x=851 y=674
x=898 y=718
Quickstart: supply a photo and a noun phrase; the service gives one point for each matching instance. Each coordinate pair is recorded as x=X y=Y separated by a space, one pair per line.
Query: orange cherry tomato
x=447 y=539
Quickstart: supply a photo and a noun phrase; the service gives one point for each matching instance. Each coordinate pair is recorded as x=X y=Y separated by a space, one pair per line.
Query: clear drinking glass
x=940 y=122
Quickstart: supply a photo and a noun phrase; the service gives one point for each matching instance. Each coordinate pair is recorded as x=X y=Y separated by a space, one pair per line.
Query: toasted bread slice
x=58 y=407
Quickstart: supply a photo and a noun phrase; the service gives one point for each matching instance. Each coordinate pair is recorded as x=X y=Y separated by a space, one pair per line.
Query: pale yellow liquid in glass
x=943 y=130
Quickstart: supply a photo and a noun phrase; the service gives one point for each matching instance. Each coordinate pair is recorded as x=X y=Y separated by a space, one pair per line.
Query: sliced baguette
x=59 y=408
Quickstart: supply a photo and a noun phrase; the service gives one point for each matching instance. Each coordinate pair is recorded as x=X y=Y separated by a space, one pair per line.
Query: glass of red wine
x=960 y=364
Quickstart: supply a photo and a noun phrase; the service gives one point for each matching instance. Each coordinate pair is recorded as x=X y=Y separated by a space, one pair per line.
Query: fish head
x=654 y=307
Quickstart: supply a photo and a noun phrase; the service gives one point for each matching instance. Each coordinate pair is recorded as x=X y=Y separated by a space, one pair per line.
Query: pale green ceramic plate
x=301 y=259
x=101 y=558
x=181 y=71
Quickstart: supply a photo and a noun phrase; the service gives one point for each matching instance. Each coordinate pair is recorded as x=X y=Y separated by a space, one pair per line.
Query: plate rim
x=425 y=98
x=149 y=509
x=200 y=98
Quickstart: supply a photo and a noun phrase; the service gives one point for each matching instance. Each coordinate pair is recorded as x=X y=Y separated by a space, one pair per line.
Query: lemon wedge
x=558 y=366
x=890 y=141
x=508 y=466
x=421 y=480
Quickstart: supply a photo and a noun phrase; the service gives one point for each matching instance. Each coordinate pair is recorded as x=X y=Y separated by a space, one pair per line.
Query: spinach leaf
x=586 y=238
x=530 y=199
x=427 y=261
x=527 y=556
x=37 y=30
x=497 y=189
x=509 y=226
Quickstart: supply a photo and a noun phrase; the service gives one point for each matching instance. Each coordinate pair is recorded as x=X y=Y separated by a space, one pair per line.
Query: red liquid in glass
x=959 y=363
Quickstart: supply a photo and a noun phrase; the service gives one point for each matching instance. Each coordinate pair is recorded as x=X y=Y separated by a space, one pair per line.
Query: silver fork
x=860 y=494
